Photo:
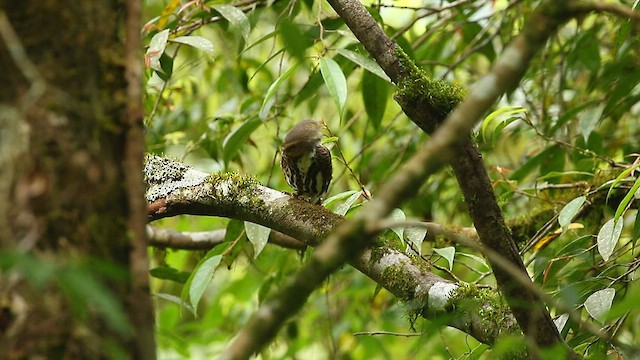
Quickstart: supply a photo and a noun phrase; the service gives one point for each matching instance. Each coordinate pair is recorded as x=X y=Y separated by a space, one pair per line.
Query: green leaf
x=343 y=208
x=502 y=113
x=201 y=278
x=608 y=237
x=238 y=137
x=397 y=215
x=269 y=99
x=236 y=18
x=335 y=81
x=176 y=300
x=375 y=94
x=569 y=211
x=156 y=49
x=364 y=62
x=599 y=303
x=561 y=321
x=258 y=236
x=588 y=121
x=622 y=207
x=166 y=67
x=448 y=253
x=338 y=197
x=295 y=41
x=330 y=140
x=87 y=292
x=197 y=42
x=623 y=175
x=415 y=235
x=636 y=229
x=168 y=273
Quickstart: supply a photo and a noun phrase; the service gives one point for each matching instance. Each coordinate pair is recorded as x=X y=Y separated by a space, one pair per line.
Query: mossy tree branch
x=173 y=190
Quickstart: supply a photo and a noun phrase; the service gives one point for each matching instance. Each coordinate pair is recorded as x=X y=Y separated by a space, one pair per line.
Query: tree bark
x=70 y=225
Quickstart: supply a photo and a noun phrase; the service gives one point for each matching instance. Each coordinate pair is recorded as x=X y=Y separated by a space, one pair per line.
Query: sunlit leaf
x=599 y=303
x=631 y=194
x=197 y=42
x=561 y=321
x=335 y=81
x=258 y=236
x=570 y=210
x=415 y=235
x=501 y=115
x=365 y=62
x=448 y=253
x=608 y=237
x=397 y=215
x=156 y=49
x=623 y=175
x=238 y=20
x=269 y=98
x=201 y=278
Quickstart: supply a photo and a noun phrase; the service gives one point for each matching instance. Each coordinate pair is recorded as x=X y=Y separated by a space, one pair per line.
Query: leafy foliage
x=225 y=83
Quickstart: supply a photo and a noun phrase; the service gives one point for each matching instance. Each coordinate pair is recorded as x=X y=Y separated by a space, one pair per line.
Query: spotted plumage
x=306 y=163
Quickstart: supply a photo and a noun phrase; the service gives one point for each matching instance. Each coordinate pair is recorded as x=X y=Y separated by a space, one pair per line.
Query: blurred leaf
x=238 y=20
x=636 y=229
x=168 y=273
x=343 y=208
x=375 y=94
x=448 y=253
x=599 y=303
x=156 y=49
x=295 y=42
x=503 y=114
x=335 y=81
x=269 y=99
x=570 y=210
x=167 y=12
x=365 y=62
x=329 y=140
x=258 y=236
x=608 y=237
x=86 y=292
x=338 y=197
x=397 y=215
x=201 y=278
x=588 y=121
x=238 y=137
x=176 y=300
x=265 y=289
x=197 y=42
x=631 y=194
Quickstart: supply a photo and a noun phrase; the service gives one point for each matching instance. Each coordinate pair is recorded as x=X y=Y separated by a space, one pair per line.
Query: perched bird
x=306 y=163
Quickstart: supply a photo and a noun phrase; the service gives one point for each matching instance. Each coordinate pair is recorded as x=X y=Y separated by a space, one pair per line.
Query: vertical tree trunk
x=70 y=239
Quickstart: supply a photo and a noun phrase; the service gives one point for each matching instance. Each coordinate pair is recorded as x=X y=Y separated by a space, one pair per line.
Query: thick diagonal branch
x=468 y=166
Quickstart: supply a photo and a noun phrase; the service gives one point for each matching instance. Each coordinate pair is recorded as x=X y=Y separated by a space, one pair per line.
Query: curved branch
x=206 y=240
